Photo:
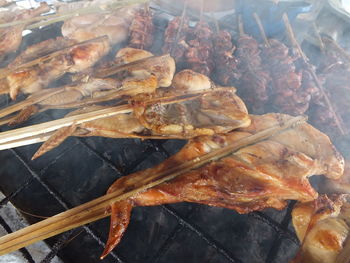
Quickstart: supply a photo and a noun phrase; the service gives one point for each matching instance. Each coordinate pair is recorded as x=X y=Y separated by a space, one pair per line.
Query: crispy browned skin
x=11 y=37
x=37 y=77
x=322 y=226
x=262 y=175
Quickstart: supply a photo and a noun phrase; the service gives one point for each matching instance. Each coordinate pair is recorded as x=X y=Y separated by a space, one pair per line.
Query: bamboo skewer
x=96 y=209
x=240 y=25
x=35 y=98
x=182 y=21
x=39 y=129
x=138 y=64
x=318 y=36
x=295 y=43
x=261 y=29
x=35 y=133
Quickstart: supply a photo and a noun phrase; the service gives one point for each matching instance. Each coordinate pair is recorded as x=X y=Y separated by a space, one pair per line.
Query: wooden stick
x=295 y=43
x=95 y=209
x=35 y=98
x=318 y=36
x=141 y=63
x=240 y=25
x=261 y=29
x=26 y=134
x=38 y=129
x=179 y=30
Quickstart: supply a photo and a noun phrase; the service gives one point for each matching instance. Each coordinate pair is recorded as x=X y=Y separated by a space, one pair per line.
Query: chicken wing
x=262 y=175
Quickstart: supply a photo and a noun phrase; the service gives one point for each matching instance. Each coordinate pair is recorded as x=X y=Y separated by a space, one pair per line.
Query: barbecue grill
x=81 y=169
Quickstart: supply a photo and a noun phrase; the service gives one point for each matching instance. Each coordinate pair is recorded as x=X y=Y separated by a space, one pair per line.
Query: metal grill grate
x=82 y=169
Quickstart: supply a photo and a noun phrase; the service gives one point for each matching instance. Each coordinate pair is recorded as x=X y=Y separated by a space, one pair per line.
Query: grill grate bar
x=210 y=241
x=62 y=240
x=277 y=242
x=170 y=239
x=59 y=200
x=23 y=251
x=276 y=226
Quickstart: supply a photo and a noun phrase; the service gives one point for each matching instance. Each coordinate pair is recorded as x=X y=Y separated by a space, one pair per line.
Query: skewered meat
x=336 y=78
x=226 y=65
x=175 y=38
x=199 y=54
x=115 y=25
x=75 y=59
x=217 y=111
x=322 y=226
x=41 y=49
x=142 y=30
x=11 y=37
x=254 y=79
x=262 y=175
x=163 y=68
x=289 y=96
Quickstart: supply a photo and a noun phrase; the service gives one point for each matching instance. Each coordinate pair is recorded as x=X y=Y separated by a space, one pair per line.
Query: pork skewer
x=175 y=36
x=226 y=64
x=309 y=68
x=95 y=209
x=254 y=79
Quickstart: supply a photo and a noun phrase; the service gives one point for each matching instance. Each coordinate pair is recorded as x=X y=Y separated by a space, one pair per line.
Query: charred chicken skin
x=255 y=177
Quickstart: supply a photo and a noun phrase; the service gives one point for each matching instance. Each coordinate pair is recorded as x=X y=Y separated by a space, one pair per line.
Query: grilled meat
x=262 y=175
x=199 y=54
x=37 y=77
x=175 y=39
x=205 y=114
x=254 y=79
x=163 y=69
x=142 y=30
x=11 y=37
x=226 y=64
x=115 y=25
x=288 y=94
x=323 y=228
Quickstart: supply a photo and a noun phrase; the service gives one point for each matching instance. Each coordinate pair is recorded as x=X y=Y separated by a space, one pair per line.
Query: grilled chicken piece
x=164 y=69
x=35 y=78
x=255 y=177
x=218 y=111
x=323 y=227
x=115 y=25
x=11 y=37
x=41 y=49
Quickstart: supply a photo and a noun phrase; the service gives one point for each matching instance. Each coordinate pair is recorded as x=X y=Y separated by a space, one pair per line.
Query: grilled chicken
x=323 y=228
x=37 y=77
x=115 y=25
x=206 y=114
x=255 y=177
x=163 y=68
x=11 y=37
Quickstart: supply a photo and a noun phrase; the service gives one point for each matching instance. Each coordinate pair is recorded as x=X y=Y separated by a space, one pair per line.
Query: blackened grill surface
x=83 y=169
